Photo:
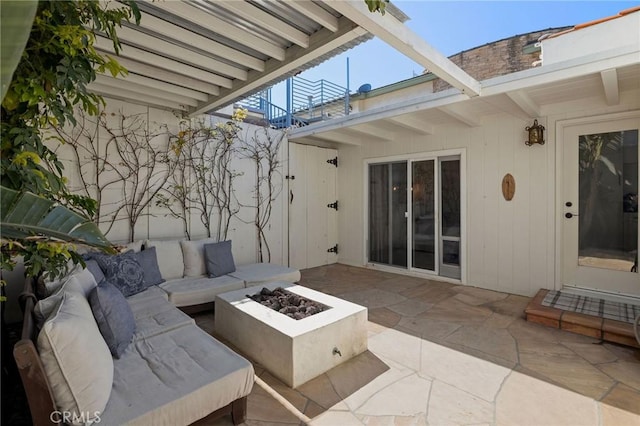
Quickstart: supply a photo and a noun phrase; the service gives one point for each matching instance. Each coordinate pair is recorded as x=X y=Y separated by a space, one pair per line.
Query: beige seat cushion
x=258 y=273
x=76 y=358
x=156 y=315
x=170 y=259
x=175 y=378
x=193 y=252
x=194 y=291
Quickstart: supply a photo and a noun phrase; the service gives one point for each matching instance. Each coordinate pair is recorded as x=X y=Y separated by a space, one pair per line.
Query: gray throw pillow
x=113 y=316
x=219 y=259
x=94 y=268
x=149 y=262
x=123 y=271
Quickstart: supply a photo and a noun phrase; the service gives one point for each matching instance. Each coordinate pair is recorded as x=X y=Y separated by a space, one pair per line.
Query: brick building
x=498 y=58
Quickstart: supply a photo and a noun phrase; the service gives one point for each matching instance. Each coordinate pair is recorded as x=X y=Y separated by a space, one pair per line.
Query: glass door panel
x=423 y=214
x=398 y=212
x=600 y=206
x=608 y=200
x=450 y=217
x=387 y=213
x=379 y=241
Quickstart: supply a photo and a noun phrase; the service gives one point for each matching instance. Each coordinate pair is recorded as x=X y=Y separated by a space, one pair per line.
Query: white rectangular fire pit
x=295 y=351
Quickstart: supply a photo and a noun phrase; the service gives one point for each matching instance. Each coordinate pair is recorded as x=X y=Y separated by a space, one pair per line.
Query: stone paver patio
x=442 y=354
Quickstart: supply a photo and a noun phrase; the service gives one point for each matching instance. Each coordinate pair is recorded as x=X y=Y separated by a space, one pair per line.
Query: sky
x=451 y=27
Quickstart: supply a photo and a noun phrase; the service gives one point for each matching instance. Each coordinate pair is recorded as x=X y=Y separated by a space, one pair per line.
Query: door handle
x=570 y=215
x=291 y=197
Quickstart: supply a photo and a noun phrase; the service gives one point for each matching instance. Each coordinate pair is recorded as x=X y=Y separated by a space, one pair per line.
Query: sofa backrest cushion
x=113 y=316
x=75 y=358
x=148 y=260
x=80 y=281
x=122 y=270
x=193 y=252
x=135 y=246
x=219 y=259
x=51 y=285
x=170 y=259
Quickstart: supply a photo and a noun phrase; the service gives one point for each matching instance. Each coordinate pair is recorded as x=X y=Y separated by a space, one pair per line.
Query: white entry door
x=600 y=205
x=313 y=216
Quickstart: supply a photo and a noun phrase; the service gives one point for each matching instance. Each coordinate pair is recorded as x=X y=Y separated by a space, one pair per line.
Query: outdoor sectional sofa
x=170 y=373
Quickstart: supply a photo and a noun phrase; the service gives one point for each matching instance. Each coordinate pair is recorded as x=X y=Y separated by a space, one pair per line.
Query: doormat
x=624 y=312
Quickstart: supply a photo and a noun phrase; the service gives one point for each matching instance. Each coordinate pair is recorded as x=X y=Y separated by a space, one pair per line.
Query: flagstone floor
x=444 y=354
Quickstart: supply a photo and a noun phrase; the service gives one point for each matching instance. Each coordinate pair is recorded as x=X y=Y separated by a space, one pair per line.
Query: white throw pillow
x=135 y=246
x=81 y=281
x=76 y=359
x=193 y=252
x=170 y=260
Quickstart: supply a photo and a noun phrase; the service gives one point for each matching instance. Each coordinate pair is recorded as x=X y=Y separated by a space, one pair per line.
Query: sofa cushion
x=50 y=285
x=170 y=259
x=122 y=270
x=75 y=358
x=113 y=316
x=148 y=260
x=152 y=292
x=175 y=378
x=156 y=315
x=193 y=253
x=258 y=273
x=81 y=281
x=194 y=291
x=219 y=258
x=135 y=246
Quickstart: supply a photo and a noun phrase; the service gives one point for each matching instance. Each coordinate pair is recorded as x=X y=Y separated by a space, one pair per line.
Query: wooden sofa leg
x=239 y=410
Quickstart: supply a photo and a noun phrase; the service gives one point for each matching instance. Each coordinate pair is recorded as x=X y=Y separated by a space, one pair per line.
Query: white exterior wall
x=157 y=223
x=511 y=245
x=622 y=32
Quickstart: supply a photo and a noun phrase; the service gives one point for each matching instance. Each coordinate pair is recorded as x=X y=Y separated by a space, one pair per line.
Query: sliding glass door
x=431 y=240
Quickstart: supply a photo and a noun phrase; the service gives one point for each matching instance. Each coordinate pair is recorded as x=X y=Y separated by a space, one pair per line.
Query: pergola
x=201 y=55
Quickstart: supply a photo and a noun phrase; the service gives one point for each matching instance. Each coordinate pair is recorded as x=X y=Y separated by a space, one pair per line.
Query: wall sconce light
x=536 y=134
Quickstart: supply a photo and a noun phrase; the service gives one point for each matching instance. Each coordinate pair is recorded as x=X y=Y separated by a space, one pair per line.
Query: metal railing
x=318 y=100
x=307 y=102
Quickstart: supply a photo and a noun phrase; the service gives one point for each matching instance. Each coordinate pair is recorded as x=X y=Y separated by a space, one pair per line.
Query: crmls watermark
x=68 y=417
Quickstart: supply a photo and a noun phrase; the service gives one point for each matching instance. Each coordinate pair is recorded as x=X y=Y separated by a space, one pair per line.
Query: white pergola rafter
x=211 y=22
x=396 y=34
x=316 y=13
x=178 y=80
x=158 y=61
x=256 y=16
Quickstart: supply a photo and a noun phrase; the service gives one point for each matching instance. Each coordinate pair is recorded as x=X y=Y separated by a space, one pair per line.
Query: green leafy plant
x=48 y=85
x=53 y=229
x=377 y=5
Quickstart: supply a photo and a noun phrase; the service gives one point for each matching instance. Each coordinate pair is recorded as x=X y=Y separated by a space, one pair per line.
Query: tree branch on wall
x=140 y=159
x=203 y=178
x=91 y=166
x=264 y=149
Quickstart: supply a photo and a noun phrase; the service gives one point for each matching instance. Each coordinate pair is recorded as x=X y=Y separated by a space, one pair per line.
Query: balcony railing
x=307 y=102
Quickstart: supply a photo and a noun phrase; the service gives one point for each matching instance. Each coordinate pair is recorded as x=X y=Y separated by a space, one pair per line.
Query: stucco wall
x=157 y=222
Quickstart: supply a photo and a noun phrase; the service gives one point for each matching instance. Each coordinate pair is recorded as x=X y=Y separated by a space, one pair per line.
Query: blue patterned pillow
x=123 y=271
